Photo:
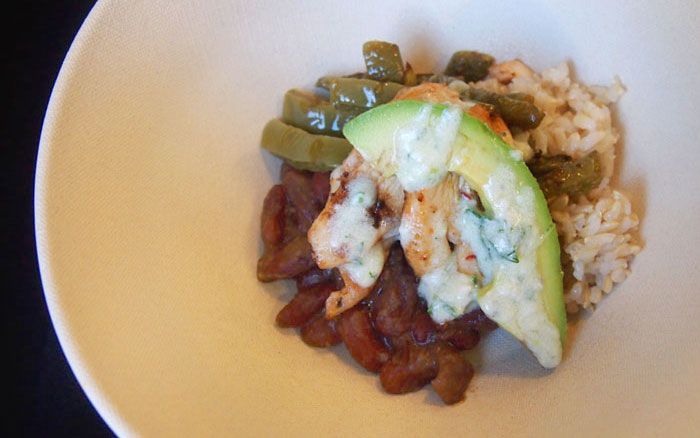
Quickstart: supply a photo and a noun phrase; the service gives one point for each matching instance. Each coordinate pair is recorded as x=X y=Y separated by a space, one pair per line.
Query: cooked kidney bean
x=464 y=332
x=390 y=331
x=301 y=195
x=272 y=218
x=320 y=332
x=284 y=168
x=454 y=374
x=477 y=319
x=462 y=339
x=410 y=368
x=424 y=328
x=291 y=222
x=305 y=304
x=355 y=329
x=395 y=296
x=287 y=261
x=317 y=275
x=459 y=336
x=322 y=187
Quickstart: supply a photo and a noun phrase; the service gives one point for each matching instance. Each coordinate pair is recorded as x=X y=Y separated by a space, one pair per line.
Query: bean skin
x=424 y=328
x=464 y=332
x=476 y=319
x=288 y=261
x=355 y=329
x=320 y=332
x=390 y=332
x=395 y=296
x=461 y=334
x=317 y=275
x=272 y=217
x=410 y=368
x=462 y=338
x=300 y=195
x=287 y=253
x=305 y=304
x=320 y=182
x=454 y=375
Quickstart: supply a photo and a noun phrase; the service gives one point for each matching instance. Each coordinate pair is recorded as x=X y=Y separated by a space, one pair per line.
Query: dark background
x=44 y=397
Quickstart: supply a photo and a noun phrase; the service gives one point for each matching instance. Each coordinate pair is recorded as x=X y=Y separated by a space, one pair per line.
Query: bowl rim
x=57 y=315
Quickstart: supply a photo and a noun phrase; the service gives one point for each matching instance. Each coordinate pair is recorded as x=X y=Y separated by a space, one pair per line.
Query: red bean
x=317 y=275
x=464 y=332
x=424 y=328
x=284 y=168
x=300 y=195
x=305 y=304
x=395 y=296
x=321 y=185
x=272 y=217
x=477 y=319
x=291 y=224
x=355 y=329
x=390 y=332
x=454 y=375
x=320 y=332
x=288 y=261
x=459 y=335
x=409 y=369
x=461 y=339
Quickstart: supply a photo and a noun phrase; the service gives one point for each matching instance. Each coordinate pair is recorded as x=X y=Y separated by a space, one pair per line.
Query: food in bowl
x=416 y=212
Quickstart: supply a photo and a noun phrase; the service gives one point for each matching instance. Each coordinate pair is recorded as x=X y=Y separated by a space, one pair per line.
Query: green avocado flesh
x=476 y=154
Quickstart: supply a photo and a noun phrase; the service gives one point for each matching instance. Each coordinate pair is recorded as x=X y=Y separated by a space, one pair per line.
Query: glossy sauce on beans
x=390 y=332
x=395 y=296
x=320 y=332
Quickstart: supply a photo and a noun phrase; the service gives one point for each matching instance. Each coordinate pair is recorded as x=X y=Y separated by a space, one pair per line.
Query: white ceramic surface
x=150 y=182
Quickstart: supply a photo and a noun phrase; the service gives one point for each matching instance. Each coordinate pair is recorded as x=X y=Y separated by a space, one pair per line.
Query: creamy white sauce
x=365 y=270
x=351 y=229
x=514 y=299
x=492 y=240
x=447 y=291
x=423 y=148
x=516 y=154
x=505 y=242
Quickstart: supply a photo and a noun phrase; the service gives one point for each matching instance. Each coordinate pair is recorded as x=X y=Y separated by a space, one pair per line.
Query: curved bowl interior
x=150 y=183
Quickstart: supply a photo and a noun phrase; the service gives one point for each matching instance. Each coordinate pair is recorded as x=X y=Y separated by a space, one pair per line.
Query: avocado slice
x=525 y=295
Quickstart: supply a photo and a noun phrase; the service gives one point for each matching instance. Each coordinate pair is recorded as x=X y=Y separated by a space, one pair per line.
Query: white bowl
x=150 y=183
